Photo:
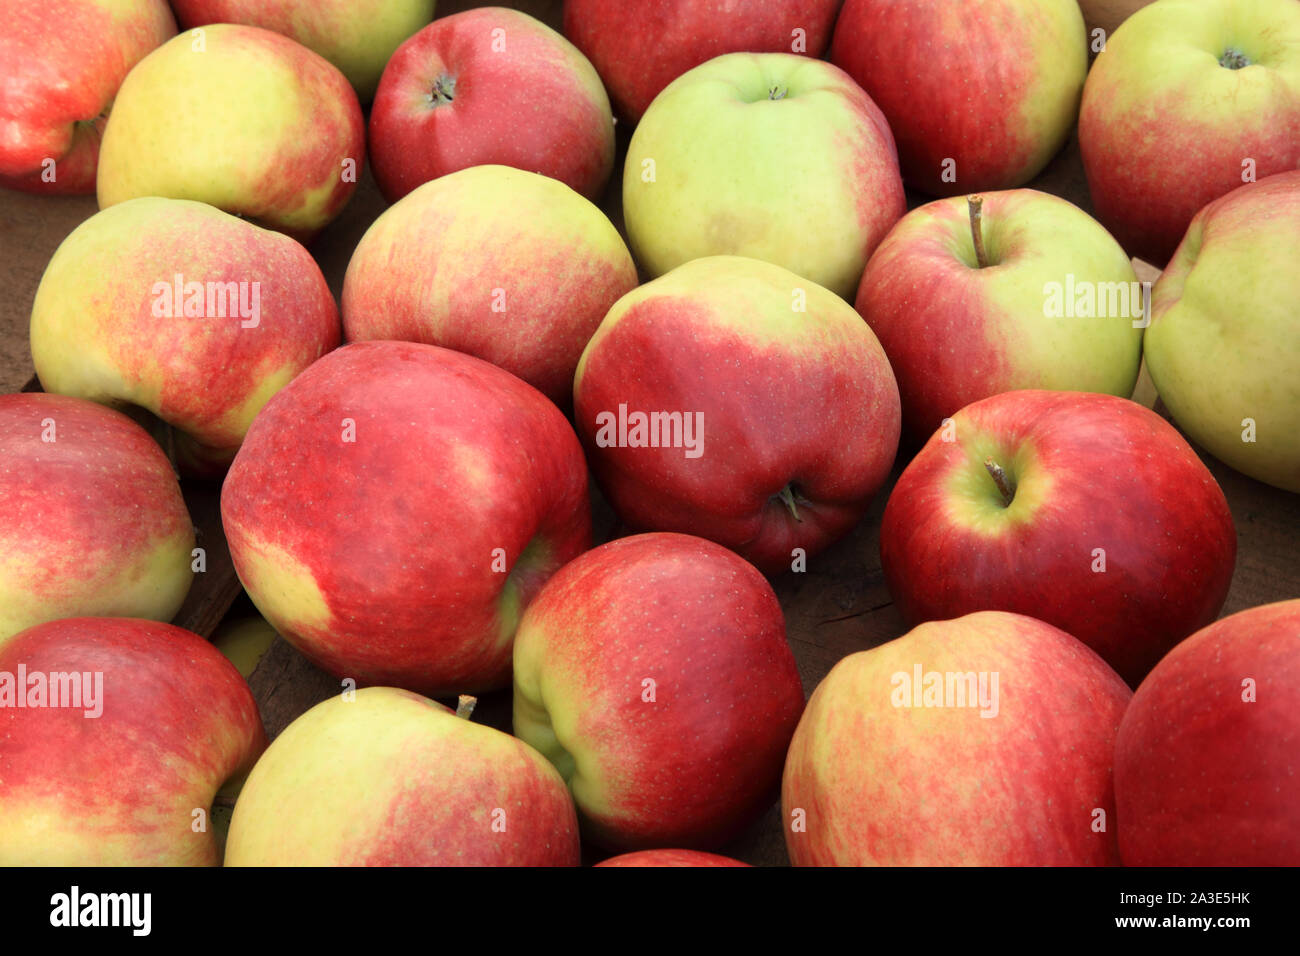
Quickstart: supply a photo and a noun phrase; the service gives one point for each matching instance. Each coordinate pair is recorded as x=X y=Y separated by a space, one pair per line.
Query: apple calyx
x=443 y=92
x=787 y=497
x=1005 y=485
x=1234 y=59
x=465 y=706
x=777 y=93
x=975 y=206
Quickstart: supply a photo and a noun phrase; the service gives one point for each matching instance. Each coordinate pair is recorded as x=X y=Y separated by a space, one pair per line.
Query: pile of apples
x=739 y=364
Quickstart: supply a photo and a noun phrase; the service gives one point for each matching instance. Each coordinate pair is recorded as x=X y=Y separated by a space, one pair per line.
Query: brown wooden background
x=838 y=607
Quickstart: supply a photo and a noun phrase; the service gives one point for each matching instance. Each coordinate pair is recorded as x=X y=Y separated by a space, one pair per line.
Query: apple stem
x=444 y=90
x=1234 y=59
x=1001 y=480
x=786 y=495
x=776 y=93
x=465 y=706
x=975 y=205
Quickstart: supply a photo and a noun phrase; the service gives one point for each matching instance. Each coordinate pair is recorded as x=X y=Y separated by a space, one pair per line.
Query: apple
x=94 y=522
x=767 y=155
x=980 y=95
x=184 y=310
x=1190 y=99
x=1205 y=760
x=1087 y=511
x=734 y=400
x=981 y=741
x=1223 y=348
x=244 y=642
x=484 y=87
x=510 y=266
x=640 y=46
x=61 y=63
x=357 y=36
x=670 y=858
x=1048 y=300
x=395 y=508
x=390 y=778
x=117 y=733
x=242 y=119
x=654 y=673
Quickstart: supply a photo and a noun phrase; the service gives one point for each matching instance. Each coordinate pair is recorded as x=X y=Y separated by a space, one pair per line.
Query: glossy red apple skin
x=1204 y=777
x=61 y=62
x=640 y=46
x=670 y=858
x=881 y=783
x=801 y=400
x=992 y=85
x=375 y=557
x=693 y=767
x=94 y=522
x=536 y=105
x=121 y=789
x=1099 y=472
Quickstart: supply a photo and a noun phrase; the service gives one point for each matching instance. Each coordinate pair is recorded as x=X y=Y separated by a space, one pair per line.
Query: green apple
x=772 y=156
x=385 y=777
x=1223 y=348
x=242 y=119
x=357 y=36
x=244 y=642
x=1049 y=301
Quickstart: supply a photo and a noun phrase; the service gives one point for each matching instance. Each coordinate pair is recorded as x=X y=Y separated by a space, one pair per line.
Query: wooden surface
x=839 y=606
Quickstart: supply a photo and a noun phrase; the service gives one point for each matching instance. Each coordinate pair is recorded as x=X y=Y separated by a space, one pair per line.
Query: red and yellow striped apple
x=1049 y=300
x=640 y=46
x=769 y=414
x=242 y=119
x=670 y=858
x=980 y=94
x=94 y=522
x=390 y=778
x=126 y=776
x=1205 y=769
x=506 y=265
x=184 y=310
x=61 y=63
x=395 y=508
x=1087 y=511
x=981 y=741
x=1188 y=99
x=767 y=155
x=654 y=673
x=357 y=36
x=484 y=87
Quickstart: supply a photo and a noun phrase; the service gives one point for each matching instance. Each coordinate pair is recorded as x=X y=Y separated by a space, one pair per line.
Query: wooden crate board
x=839 y=606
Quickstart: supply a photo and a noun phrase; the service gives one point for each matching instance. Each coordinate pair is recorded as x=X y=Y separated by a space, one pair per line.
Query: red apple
x=61 y=63
x=1088 y=511
x=1205 y=762
x=510 y=266
x=396 y=506
x=490 y=86
x=670 y=858
x=1190 y=99
x=390 y=778
x=150 y=721
x=654 y=673
x=768 y=414
x=94 y=522
x=1049 y=300
x=981 y=741
x=640 y=46
x=180 y=308
x=980 y=94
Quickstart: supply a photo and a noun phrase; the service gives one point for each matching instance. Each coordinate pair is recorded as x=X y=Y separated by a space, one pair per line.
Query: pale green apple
x=241 y=118
x=772 y=156
x=245 y=642
x=357 y=36
x=1223 y=348
x=385 y=777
